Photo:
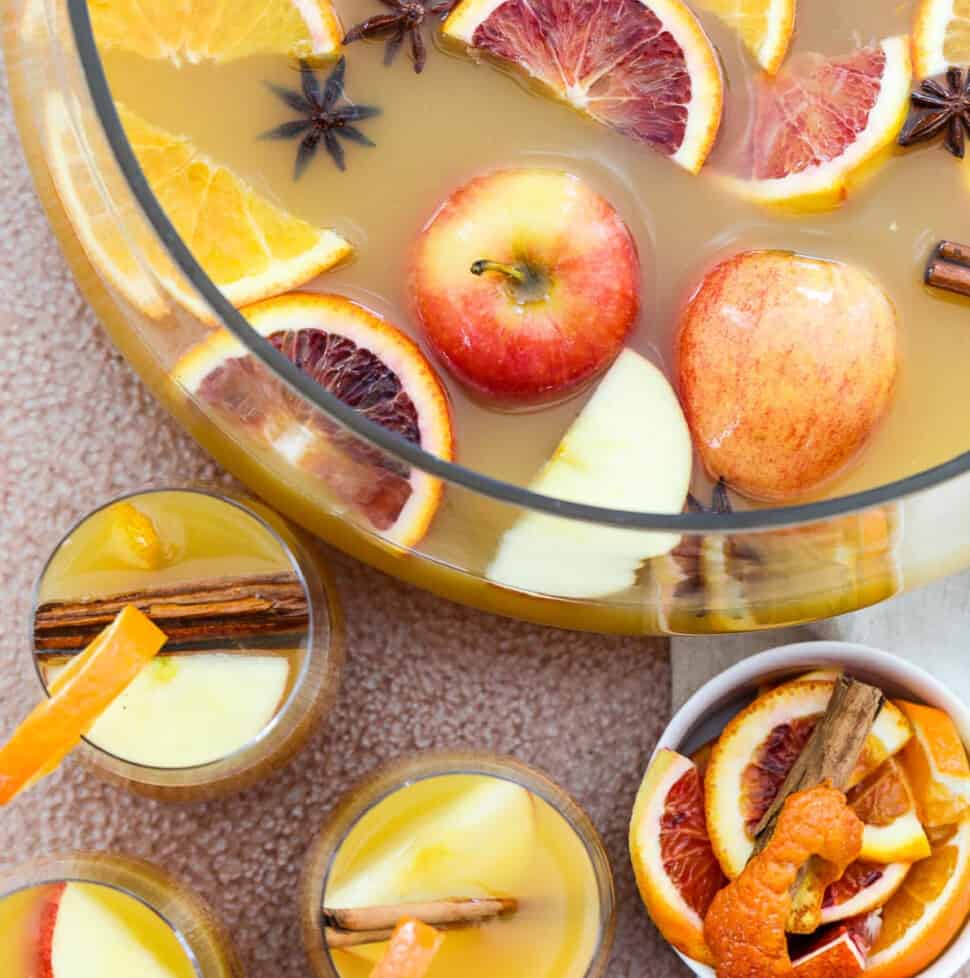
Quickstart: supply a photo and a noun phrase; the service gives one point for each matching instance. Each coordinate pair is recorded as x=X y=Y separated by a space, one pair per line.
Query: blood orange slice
x=675 y=866
x=838 y=952
x=365 y=362
x=643 y=67
x=756 y=750
x=863 y=887
x=820 y=120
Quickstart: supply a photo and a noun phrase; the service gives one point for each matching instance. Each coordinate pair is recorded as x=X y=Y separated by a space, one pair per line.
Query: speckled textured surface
x=77 y=426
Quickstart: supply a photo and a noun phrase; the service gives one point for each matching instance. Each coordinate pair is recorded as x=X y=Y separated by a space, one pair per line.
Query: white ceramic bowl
x=704 y=715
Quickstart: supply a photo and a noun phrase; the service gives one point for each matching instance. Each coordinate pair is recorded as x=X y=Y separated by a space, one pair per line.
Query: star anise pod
x=938 y=107
x=404 y=23
x=324 y=118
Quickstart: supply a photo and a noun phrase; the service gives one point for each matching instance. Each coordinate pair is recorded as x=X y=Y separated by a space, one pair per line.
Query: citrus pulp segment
x=757 y=749
x=936 y=764
x=927 y=912
x=941 y=36
x=362 y=360
x=863 y=887
x=272 y=251
x=217 y=30
x=675 y=867
x=765 y=26
x=820 y=120
x=604 y=460
x=411 y=950
x=643 y=67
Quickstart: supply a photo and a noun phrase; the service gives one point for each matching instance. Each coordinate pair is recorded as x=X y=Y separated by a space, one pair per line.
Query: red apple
x=41 y=941
x=527 y=283
x=786 y=365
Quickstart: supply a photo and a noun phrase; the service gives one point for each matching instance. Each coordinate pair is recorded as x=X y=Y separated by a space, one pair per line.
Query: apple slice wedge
x=192 y=709
x=94 y=931
x=630 y=448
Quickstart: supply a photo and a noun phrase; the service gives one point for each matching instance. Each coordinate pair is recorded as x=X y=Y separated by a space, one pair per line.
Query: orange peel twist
x=745 y=926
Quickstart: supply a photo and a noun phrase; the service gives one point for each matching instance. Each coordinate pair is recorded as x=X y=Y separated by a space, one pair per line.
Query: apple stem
x=483 y=265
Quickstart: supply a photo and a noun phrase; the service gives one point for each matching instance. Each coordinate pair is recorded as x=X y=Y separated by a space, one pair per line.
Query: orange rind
x=935 y=762
x=81 y=693
x=411 y=950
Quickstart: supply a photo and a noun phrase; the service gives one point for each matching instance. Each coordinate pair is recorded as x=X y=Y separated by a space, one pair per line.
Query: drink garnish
x=412 y=948
x=404 y=24
x=323 y=119
x=370 y=925
x=82 y=692
x=940 y=107
x=746 y=925
x=949 y=268
x=191 y=612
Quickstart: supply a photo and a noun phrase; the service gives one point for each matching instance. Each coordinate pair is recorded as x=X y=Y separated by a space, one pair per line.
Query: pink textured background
x=77 y=426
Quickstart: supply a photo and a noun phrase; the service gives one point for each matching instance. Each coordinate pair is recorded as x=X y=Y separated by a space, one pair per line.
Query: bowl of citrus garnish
x=807 y=814
x=644 y=316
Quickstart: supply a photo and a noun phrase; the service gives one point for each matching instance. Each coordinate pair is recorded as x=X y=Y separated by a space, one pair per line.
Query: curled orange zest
x=745 y=927
x=410 y=952
x=81 y=693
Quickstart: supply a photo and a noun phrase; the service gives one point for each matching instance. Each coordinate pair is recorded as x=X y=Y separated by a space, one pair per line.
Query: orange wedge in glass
x=410 y=952
x=78 y=696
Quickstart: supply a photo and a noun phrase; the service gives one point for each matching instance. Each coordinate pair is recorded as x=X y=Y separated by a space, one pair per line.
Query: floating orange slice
x=197 y=30
x=941 y=36
x=78 y=697
x=820 y=121
x=642 y=67
x=936 y=763
x=765 y=26
x=410 y=952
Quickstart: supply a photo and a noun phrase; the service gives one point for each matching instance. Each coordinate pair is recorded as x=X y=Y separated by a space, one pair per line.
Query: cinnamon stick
x=949 y=268
x=369 y=925
x=831 y=755
x=196 y=611
x=832 y=751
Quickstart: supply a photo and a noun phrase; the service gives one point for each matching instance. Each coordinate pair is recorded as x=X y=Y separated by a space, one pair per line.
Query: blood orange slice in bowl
x=756 y=750
x=820 y=121
x=676 y=870
x=864 y=887
x=643 y=67
x=365 y=362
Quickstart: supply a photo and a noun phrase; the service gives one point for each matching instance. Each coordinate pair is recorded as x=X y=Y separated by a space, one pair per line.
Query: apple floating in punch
x=526 y=283
x=786 y=365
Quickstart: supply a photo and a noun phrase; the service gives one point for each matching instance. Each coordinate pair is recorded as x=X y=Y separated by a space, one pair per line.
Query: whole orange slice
x=365 y=362
x=676 y=870
x=936 y=763
x=928 y=910
x=411 y=950
x=756 y=750
x=820 y=120
x=81 y=693
x=642 y=67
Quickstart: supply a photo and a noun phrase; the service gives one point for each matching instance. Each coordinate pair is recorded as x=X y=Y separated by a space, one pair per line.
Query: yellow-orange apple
x=526 y=283
x=786 y=365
